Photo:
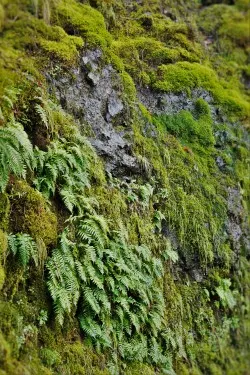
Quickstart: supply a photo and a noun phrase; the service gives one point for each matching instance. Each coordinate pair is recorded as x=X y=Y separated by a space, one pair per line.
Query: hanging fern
x=16 y=153
x=114 y=286
x=64 y=167
x=24 y=248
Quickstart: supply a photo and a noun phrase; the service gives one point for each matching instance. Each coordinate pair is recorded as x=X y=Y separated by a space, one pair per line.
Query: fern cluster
x=23 y=247
x=16 y=153
x=115 y=288
x=64 y=167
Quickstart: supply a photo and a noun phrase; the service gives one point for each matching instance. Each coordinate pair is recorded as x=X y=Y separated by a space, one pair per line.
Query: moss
x=2 y=17
x=3 y=244
x=66 y=49
x=185 y=76
x=4 y=211
x=85 y=21
x=2 y=277
x=187 y=128
x=202 y=107
x=138 y=369
x=129 y=87
x=81 y=359
x=50 y=358
x=32 y=214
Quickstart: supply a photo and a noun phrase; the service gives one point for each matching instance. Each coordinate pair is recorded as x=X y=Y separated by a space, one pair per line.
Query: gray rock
x=115 y=106
x=234 y=202
x=92 y=93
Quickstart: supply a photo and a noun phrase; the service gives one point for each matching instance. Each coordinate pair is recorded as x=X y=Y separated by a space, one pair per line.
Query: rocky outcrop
x=92 y=93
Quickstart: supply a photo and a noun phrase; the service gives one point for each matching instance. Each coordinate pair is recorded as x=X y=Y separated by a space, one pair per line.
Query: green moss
x=138 y=369
x=227 y=24
x=3 y=244
x=32 y=214
x=189 y=130
x=66 y=49
x=4 y=211
x=202 y=108
x=81 y=359
x=2 y=17
x=50 y=358
x=85 y=21
x=2 y=277
x=185 y=76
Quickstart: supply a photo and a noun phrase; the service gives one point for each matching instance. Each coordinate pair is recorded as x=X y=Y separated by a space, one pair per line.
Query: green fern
x=114 y=286
x=24 y=248
x=16 y=153
x=64 y=167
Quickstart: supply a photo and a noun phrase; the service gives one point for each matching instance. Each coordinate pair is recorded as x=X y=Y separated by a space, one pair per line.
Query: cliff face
x=124 y=187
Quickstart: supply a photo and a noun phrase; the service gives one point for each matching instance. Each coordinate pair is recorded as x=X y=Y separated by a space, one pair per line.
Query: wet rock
x=234 y=202
x=115 y=106
x=170 y=103
x=92 y=93
x=220 y=162
x=234 y=234
x=197 y=275
x=93 y=78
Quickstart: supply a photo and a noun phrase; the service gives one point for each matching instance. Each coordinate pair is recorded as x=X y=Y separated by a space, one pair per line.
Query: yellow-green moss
x=185 y=76
x=32 y=214
x=2 y=277
x=85 y=21
x=2 y=17
x=139 y=369
x=66 y=49
x=4 y=211
x=3 y=244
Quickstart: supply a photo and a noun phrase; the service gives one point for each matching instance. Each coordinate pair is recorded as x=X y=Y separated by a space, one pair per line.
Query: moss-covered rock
x=32 y=214
x=4 y=211
x=3 y=244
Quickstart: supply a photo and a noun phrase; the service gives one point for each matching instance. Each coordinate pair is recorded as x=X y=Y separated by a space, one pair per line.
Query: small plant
x=225 y=294
x=24 y=248
x=64 y=167
x=43 y=317
x=16 y=153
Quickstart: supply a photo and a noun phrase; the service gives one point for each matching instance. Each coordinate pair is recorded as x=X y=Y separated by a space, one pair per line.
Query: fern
x=24 y=248
x=64 y=167
x=115 y=287
x=16 y=153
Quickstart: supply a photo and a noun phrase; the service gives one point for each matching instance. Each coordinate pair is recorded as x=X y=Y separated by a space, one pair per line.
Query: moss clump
x=2 y=17
x=185 y=76
x=4 y=211
x=28 y=32
x=3 y=244
x=81 y=359
x=184 y=126
x=2 y=276
x=226 y=23
x=66 y=49
x=138 y=369
x=32 y=214
x=85 y=21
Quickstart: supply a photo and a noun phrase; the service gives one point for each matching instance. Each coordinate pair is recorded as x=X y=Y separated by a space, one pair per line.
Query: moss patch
x=32 y=214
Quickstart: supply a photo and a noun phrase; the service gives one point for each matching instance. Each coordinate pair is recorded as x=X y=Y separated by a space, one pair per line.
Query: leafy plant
x=16 y=153
x=114 y=286
x=24 y=247
x=43 y=317
x=225 y=294
x=64 y=167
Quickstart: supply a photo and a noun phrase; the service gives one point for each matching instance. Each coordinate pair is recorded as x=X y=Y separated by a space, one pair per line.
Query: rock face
x=158 y=102
x=92 y=93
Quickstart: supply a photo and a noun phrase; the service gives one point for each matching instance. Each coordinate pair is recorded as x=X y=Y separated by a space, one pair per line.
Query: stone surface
x=92 y=93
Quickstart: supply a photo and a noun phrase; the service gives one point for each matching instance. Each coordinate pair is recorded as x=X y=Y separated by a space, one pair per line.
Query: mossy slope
x=190 y=199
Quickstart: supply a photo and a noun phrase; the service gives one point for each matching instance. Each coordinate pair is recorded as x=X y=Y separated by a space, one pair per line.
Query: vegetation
x=142 y=272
